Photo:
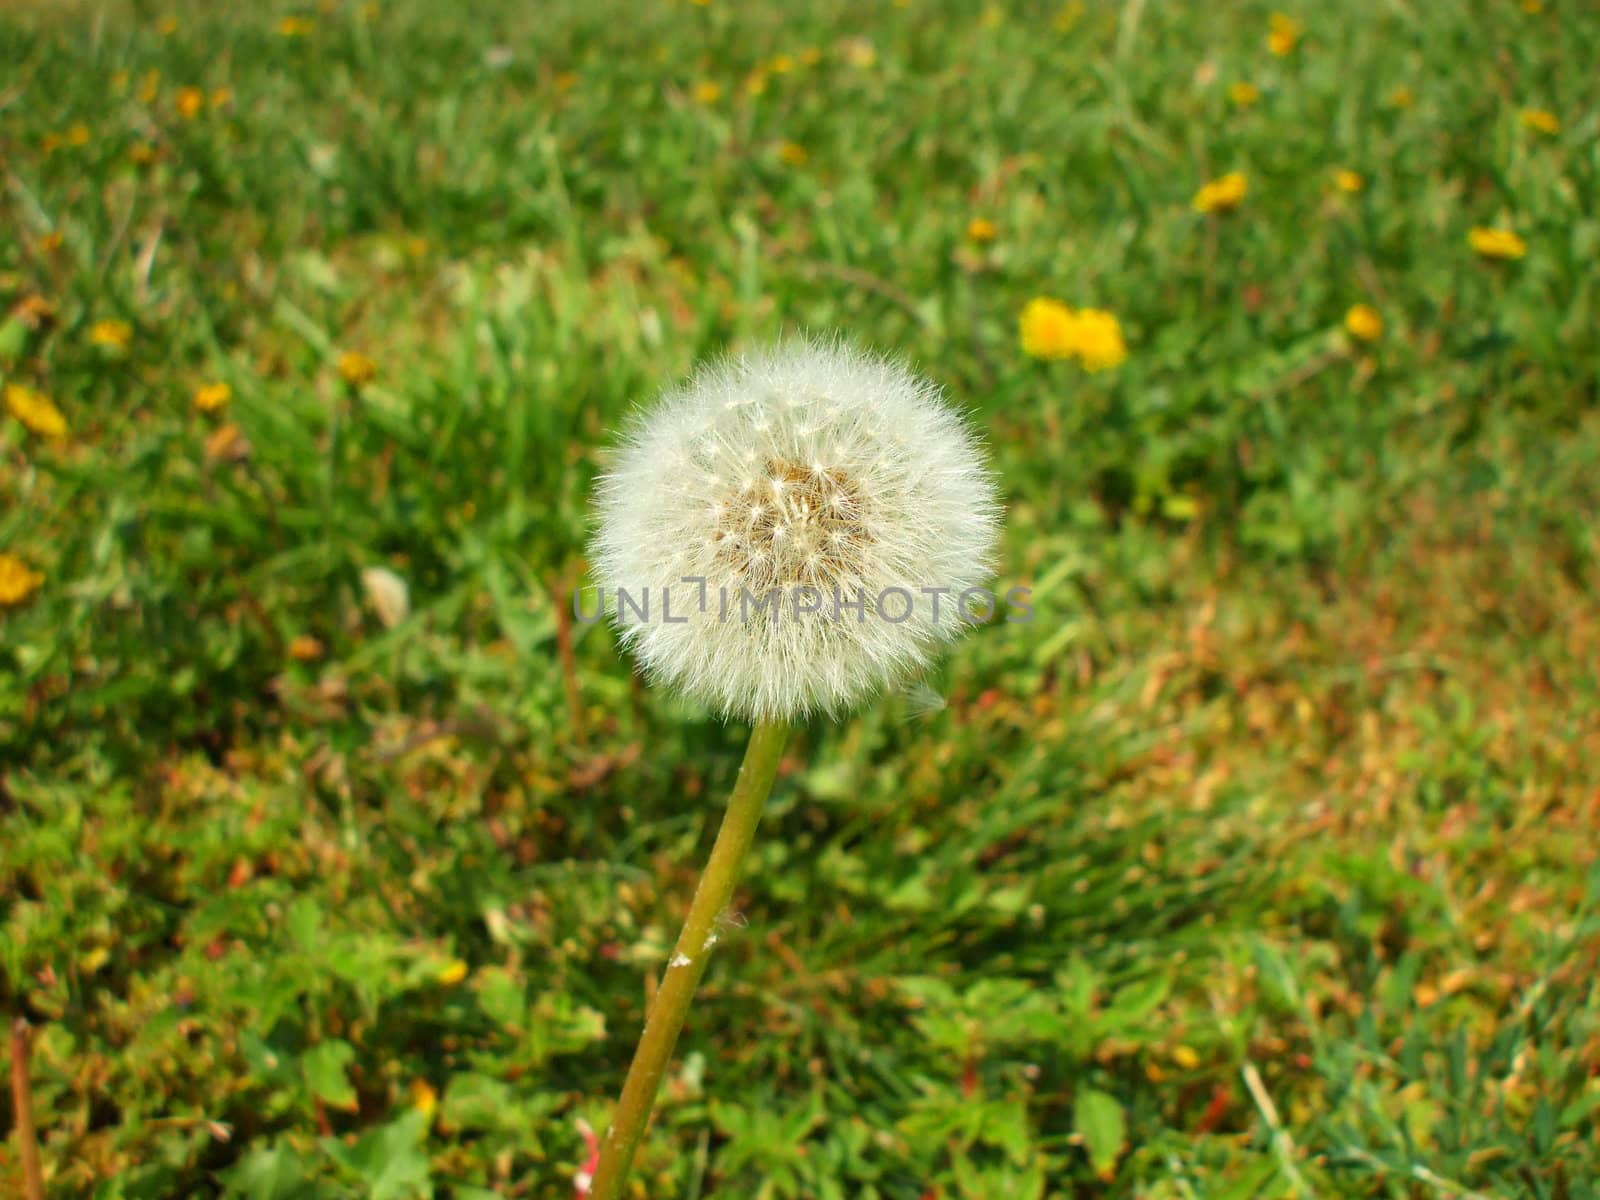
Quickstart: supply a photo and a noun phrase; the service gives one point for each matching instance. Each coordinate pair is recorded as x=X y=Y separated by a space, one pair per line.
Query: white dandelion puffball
x=794 y=530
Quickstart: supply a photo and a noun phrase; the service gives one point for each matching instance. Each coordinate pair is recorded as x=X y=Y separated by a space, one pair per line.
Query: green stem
x=689 y=957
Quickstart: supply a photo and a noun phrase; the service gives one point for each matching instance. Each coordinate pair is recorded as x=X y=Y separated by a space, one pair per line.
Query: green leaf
x=324 y=1065
x=1097 y=1119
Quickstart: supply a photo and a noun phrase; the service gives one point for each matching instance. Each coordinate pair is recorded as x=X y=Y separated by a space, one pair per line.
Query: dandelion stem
x=688 y=961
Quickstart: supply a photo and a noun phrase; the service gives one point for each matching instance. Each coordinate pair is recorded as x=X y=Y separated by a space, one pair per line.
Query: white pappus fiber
x=808 y=473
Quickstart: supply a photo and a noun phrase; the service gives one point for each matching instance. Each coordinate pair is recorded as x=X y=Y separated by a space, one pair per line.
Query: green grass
x=1262 y=863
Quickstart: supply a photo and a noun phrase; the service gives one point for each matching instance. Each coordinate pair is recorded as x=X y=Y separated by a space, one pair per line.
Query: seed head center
x=798 y=526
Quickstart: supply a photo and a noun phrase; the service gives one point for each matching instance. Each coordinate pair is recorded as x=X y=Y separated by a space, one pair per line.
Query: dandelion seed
x=38 y=414
x=1221 y=195
x=1497 y=243
x=18 y=580
x=880 y=486
x=1363 y=323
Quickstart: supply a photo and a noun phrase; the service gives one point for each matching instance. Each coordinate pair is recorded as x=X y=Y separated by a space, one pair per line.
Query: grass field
x=1262 y=863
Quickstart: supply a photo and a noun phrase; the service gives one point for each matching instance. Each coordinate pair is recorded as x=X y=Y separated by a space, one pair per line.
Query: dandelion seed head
x=812 y=466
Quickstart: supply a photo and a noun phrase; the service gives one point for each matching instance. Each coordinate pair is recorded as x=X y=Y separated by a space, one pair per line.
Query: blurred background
x=335 y=861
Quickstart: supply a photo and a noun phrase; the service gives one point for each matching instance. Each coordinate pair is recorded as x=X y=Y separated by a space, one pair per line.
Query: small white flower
x=807 y=474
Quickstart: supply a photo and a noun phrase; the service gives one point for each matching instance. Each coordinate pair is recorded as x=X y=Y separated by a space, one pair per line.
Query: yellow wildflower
x=221 y=97
x=212 y=397
x=357 y=369
x=981 y=229
x=1099 y=340
x=168 y=25
x=707 y=92
x=1533 y=7
x=1243 y=94
x=78 y=134
x=453 y=972
x=1363 y=323
x=294 y=27
x=565 y=81
x=1402 y=97
x=37 y=412
x=1221 y=195
x=1049 y=329
x=1186 y=1057
x=781 y=64
x=755 y=83
x=1540 y=119
x=793 y=153
x=111 y=335
x=189 y=101
x=1283 y=34
x=305 y=648
x=1497 y=243
x=51 y=242
x=1348 y=182
x=424 y=1098
x=18 y=580
x=141 y=154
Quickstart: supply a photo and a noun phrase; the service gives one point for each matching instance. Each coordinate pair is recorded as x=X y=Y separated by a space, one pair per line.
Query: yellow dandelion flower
x=452 y=973
x=357 y=369
x=1364 y=323
x=1049 y=329
x=1283 y=34
x=1402 y=97
x=793 y=153
x=290 y=27
x=981 y=229
x=1540 y=119
x=1348 y=182
x=424 y=1098
x=37 y=412
x=1243 y=94
x=781 y=64
x=189 y=101
x=1497 y=243
x=415 y=246
x=1099 y=343
x=305 y=648
x=1186 y=1057
x=77 y=134
x=111 y=335
x=810 y=56
x=1221 y=195
x=18 y=580
x=212 y=397
x=707 y=92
